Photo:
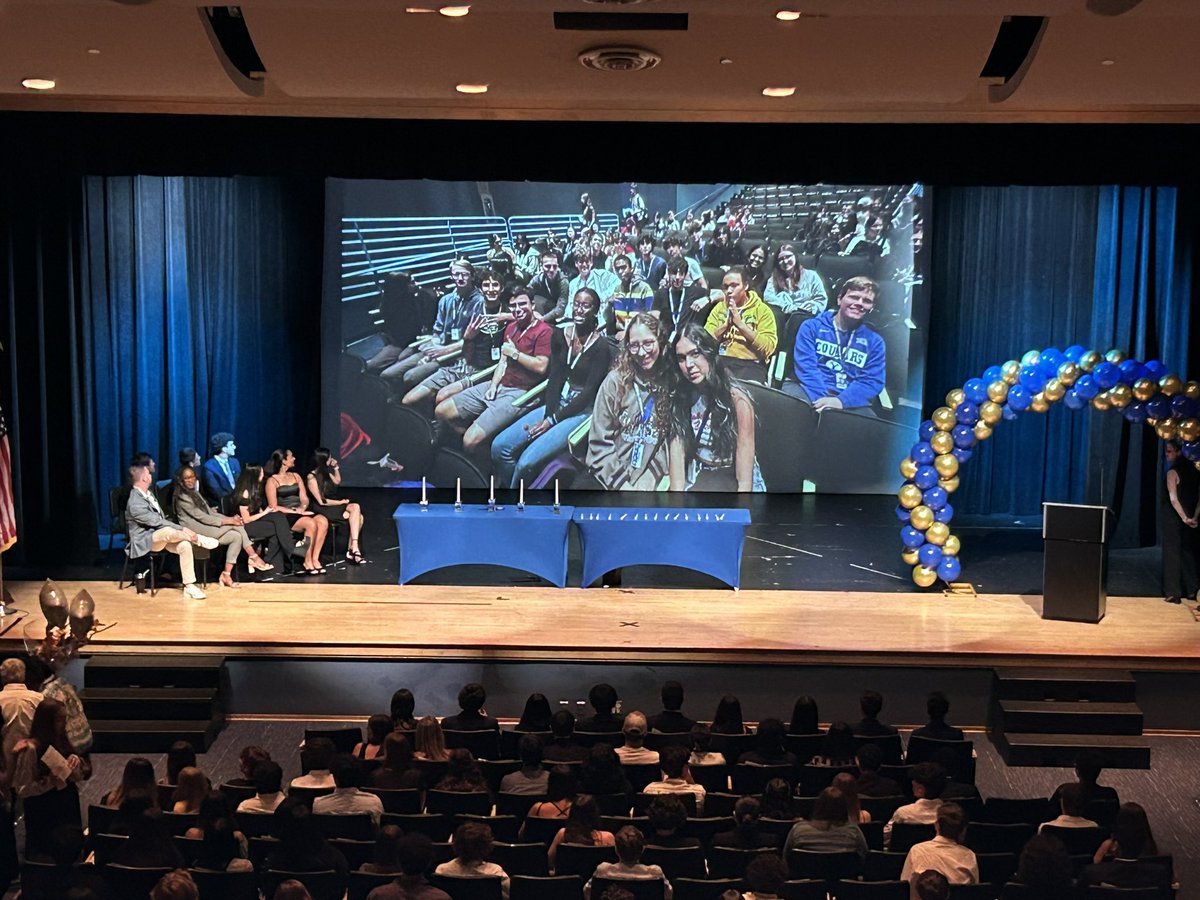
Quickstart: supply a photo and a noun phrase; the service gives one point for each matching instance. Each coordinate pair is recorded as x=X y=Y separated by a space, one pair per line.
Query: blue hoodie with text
x=830 y=363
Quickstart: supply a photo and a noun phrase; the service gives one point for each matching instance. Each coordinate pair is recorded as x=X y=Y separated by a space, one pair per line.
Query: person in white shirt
x=347 y=799
x=320 y=753
x=602 y=281
x=17 y=705
x=630 y=846
x=472 y=843
x=676 y=777
x=1070 y=797
x=944 y=853
x=268 y=790
x=633 y=753
x=928 y=782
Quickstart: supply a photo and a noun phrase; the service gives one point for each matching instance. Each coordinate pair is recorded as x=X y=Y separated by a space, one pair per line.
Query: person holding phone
x=324 y=481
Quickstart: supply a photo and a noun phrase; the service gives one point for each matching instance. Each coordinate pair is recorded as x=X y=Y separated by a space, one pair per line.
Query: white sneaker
x=206 y=542
x=193 y=593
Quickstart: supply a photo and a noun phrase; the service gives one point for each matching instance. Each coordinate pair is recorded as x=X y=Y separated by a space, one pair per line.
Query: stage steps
x=1044 y=717
x=144 y=703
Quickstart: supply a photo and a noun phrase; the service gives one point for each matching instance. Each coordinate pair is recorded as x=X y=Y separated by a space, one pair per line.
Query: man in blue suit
x=222 y=469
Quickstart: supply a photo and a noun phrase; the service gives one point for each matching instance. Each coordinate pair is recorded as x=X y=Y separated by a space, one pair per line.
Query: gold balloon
x=998 y=391
x=983 y=431
x=1165 y=429
x=1011 y=372
x=955 y=397
x=1101 y=402
x=1191 y=390
x=924 y=577
x=942 y=442
x=910 y=496
x=1171 y=385
x=1120 y=395
x=908 y=468
x=1054 y=390
x=990 y=412
x=950 y=484
x=1115 y=356
x=1068 y=373
x=1144 y=388
x=909 y=557
x=943 y=418
x=1188 y=430
x=1197 y=465
x=1089 y=360
x=937 y=533
x=952 y=546
x=921 y=517
x=946 y=465
x=1039 y=403
x=1151 y=422
x=1031 y=358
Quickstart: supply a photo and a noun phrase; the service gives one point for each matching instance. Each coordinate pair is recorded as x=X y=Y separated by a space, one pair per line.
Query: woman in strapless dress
x=285 y=490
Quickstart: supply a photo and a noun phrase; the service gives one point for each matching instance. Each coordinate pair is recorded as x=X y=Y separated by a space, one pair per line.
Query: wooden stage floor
x=628 y=625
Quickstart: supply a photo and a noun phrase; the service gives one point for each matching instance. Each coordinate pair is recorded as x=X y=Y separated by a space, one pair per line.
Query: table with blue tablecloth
x=705 y=540
x=533 y=540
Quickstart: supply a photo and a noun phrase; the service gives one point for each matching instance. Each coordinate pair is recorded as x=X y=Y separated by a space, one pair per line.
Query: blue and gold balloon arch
x=1147 y=393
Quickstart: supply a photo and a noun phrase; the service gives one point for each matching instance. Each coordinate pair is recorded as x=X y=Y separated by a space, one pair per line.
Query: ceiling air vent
x=619 y=59
x=1111 y=7
x=616 y=2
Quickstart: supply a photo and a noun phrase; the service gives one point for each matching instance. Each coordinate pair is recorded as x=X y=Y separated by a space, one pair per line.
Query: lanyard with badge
x=840 y=379
x=643 y=436
x=569 y=393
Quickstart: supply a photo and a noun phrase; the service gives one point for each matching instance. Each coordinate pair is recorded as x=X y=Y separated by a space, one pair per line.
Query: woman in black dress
x=323 y=481
x=1180 y=511
x=285 y=492
x=45 y=780
x=262 y=522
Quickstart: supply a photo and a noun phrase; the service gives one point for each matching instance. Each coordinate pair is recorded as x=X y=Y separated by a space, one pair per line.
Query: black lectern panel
x=1075 y=568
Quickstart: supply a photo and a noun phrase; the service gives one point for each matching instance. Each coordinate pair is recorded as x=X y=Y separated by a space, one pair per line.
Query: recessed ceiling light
x=38 y=84
x=1108 y=62
x=454 y=12
x=726 y=61
x=778 y=91
x=471 y=88
x=419 y=9
x=94 y=51
x=788 y=15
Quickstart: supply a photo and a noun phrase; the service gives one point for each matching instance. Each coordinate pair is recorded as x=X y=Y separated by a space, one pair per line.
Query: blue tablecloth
x=706 y=540
x=533 y=541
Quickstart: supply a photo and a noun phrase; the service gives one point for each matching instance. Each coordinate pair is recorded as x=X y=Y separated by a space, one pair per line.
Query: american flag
x=8 y=515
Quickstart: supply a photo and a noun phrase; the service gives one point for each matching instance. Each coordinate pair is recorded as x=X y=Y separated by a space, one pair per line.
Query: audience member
x=320 y=752
x=535 y=716
x=675 y=302
x=213 y=809
x=630 y=845
x=582 y=827
x=406 y=308
x=268 y=790
x=1044 y=870
x=45 y=774
x=702 y=752
x=472 y=845
x=191 y=789
x=471 y=716
x=746 y=834
x=668 y=820
x=632 y=296
x=403 y=704
x=870 y=783
x=416 y=856
x=673 y=245
x=248 y=759
x=180 y=755
x=531 y=778
x=43 y=673
x=347 y=799
x=603 y=699
x=945 y=853
x=137 y=780
x=455 y=309
x=937 y=706
x=829 y=830
x=378 y=728
x=728 y=717
x=928 y=780
x=930 y=885
x=777 y=800
x=221 y=851
x=175 y=885
x=292 y=889
x=301 y=847
x=769 y=750
x=396 y=770
x=1070 y=798
x=804 y=716
x=563 y=748
x=560 y=796
x=765 y=877
x=1088 y=766
x=871 y=703
x=848 y=785
x=1126 y=859
x=651 y=267
x=601 y=772
x=745 y=328
x=671 y=720
x=837 y=750
x=676 y=777
x=386 y=857
x=792 y=288
x=222 y=469
x=550 y=287
x=462 y=773
x=430 y=741
x=633 y=752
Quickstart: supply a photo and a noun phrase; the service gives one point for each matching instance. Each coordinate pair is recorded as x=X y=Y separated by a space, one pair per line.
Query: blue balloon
x=1158 y=407
x=990 y=374
x=1019 y=398
x=1136 y=413
x=1086 y=387
x=1008 y=412
x=1074 y=353
x=964 y=436
x=1050 y=361
x=1190 y=450
x=1073 y=401
x=1032 y=378
x=967 y=413
x=1131 y=371
x=949 y=568
x=921 y=453
x=975 y=390
x=903 y=514
x=962 y=454
x=935 y=498
x=930 y=555
x=1155 y=369
x=926 y=430
x=1183 y=407
x=926 y=477
x=911 y=538
x=945 y=514
x=1106 y=375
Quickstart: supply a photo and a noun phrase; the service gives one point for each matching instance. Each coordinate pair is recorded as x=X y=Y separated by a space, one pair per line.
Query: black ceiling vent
x=620 y=21
x=231 y=40
x=1012 y=54
x=1111 y=7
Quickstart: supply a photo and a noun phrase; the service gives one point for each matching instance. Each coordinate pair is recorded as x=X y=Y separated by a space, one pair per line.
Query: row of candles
x=491 y=494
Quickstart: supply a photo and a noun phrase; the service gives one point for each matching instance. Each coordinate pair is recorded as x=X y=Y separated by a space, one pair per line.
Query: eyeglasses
x=641 y=348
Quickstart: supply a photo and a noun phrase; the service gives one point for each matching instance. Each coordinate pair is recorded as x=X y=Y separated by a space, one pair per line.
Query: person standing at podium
x=1179 y=516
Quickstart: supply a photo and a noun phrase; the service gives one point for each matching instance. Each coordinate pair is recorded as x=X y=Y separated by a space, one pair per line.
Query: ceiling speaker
x=619 y=59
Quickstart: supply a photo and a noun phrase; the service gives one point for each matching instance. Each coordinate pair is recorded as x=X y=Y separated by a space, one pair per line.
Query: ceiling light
x=788 y=15
x=455 y=12
x=726 y=61
x=419 y=9
x=38 y=84
x=471 y=88
x=1108 y=62
x=778 y=91
x=94 y=51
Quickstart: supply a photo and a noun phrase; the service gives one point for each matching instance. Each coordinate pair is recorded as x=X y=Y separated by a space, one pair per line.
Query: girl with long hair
x=711 y=447
x=430 y=741
x=50 y=795
x=396 y=770
x=792 y=288
x=583 y=827
x=261 y=521
x=285 y=492
x=324 y=480
x=728 y=717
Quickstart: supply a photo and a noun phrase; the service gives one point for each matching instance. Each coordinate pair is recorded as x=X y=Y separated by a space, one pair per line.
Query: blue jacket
x=213 y=479
x=852 y=370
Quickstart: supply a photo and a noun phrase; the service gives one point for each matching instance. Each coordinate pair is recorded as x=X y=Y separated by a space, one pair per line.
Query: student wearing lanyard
x=675 y=302
x=627 y=441
x=579 y=360
x=840 y=363
x=648 y=264
x=745 y=328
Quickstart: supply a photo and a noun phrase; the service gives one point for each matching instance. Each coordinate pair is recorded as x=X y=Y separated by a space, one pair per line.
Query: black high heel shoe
x=355 y=557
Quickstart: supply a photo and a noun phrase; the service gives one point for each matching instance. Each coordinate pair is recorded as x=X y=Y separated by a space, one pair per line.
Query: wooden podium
x=1075 y=567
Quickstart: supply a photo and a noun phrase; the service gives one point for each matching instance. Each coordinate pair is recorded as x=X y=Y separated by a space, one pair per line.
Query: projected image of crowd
x=645 y=350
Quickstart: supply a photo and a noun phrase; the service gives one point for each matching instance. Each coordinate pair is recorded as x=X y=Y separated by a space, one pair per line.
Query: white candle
x=423 y=498
x=521 y=499
x=556 y=492
x=492 y=489
x=458 y=491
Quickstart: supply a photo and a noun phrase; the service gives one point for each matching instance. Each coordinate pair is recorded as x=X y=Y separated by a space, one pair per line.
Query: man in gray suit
x=150 y=530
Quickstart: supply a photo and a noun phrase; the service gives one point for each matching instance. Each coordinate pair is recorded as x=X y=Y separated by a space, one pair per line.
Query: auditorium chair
x=802 y=807
x=355 y=827
x=357 y=852
x=616 y=823
x=131 y=881
x=784 y=426
x=732 y=746
x=526 y=858
x=883 y=865
x=256 y=824
x=554 y=887
x=803 y=746
x=905 y=834
x=1010 y=810
x=482 y=744
x=835 y=270
x=581 y=859
x=804 y=889
x=475 y=803
x=992 y=837
x=881 y=808
x=641 y=888
x=516 y=804
x=750 y=779
x=705 y=828
x=703 y=888
x=225 y=885
x=656 y=740
x=996 y=868
x=323 y=885
x=719 y=803
x=873 y=833
x=923 y=749
x=889 y=744
x=814 y=779
x=188 y=847
x=450 y=465
x=713 y=779
x=1077 y=840
x=504 y=828
x=408 y=439
x=472 y=887
x=731 y=862
x=642 y=801
x=642 y=774
x=541 y=829
x=435 y=826
x=780 y=828
x=591 y=738
x=344 y=739
x=837 y=432
x=827 y=865
x=676 y=862
x=362 y=883
x=397 y=800
x=850 y=889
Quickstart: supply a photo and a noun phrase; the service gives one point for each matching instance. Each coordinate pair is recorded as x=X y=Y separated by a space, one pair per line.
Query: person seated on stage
x=674 y=303
x=601 y=773
x=603 y=699
x=839 y=362
x=484 y=410
x=402 y=706
x=945 y=853
x=463 y=774
x=791 y=288
x=837 y=750
x=677 y=779
x=396 y=770
x=633 y=752
x=702 y=752
x=550 y=288
x=563 y=747
x=221 y=470
x=1070 y=800
x=632 y=296
x=769 y=750
x=406 y=308
x=869 y=758
x=671 y=720
x=746 y=833
x=1088 y=766
x=928 y=781
x=745 y=328
x=263 y=522
x=531 y=778
x=379 y=727
x=194 y=512
x=471 y=716
x=190 y=456
x=150 y=530
x=141 y=458
x=472 y=845
x=482 y=339
x=429 y=741
x=582 y=827
x=320 y=752
x=347 y=799
x=766 y=875
x=579 y=360
x=455 y=309
x=285 y=492
x=728 y=717
x=324 y=481
x=804 y=716
x=829 y=829
x=1128 y=858
x=937 y=706
x=268 y=790
x=871 y=704
x=630 y=846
